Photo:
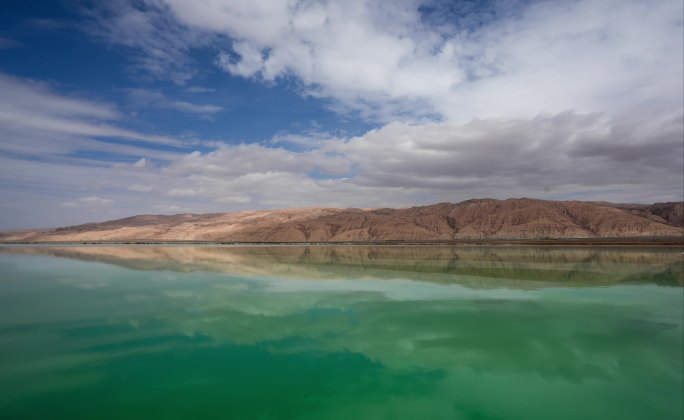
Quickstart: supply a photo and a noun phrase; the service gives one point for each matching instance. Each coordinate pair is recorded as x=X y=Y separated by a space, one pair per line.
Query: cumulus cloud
x=414 y=60
x=565 y=155
x=560 y=154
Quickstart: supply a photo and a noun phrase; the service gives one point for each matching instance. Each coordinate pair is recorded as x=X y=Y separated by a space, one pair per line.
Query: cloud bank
x=633 y=158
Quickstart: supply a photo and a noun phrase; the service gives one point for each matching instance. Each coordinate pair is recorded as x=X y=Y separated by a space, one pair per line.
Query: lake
x=341 y=332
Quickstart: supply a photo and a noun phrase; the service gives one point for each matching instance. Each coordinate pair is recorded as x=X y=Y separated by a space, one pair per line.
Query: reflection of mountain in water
x=477 y=267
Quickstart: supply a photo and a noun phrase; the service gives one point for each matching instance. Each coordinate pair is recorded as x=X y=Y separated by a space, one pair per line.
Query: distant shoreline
x=610 y=241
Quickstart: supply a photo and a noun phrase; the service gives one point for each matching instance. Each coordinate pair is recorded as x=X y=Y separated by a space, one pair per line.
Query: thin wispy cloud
x=147 y=97
x=7 y=44
x=29 y=107
x=199 y=89
x=91 y=202
x=157 y=44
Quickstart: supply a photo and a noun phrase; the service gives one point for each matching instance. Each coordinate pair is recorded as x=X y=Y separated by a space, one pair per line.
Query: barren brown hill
x=672 y=213
x=473 y=219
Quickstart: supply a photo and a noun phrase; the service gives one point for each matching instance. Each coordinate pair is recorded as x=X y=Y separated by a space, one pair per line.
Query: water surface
x=341 y=332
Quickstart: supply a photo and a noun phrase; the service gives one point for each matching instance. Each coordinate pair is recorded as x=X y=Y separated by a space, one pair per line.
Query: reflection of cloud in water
x=84 y=283
x=536 y=334
x=444 y=336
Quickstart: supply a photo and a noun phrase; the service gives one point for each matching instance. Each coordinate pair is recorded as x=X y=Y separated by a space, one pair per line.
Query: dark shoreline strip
x=637 y=241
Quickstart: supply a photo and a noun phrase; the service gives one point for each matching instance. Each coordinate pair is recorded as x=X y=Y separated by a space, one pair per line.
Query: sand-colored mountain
x=472 y=219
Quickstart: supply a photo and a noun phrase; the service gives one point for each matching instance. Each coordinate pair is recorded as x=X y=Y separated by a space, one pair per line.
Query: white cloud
x=359 y=53
x=390 y=62
x=230 y=161
x=308 y=140
x=88 y=202
x=561 y=154
x=564 y=156
x=249 y=63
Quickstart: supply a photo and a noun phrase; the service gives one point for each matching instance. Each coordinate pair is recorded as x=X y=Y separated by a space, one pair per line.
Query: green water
x=341 y=333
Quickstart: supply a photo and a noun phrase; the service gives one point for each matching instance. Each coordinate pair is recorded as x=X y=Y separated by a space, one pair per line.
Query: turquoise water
x=147 y=332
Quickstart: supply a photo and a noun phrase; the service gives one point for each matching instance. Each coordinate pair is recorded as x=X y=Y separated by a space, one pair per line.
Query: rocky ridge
x=472 y=219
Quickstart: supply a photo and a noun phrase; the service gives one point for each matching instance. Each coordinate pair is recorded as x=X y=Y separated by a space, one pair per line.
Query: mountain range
x=511 y=219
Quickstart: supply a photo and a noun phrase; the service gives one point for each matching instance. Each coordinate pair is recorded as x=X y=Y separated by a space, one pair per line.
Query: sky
x=111 y=109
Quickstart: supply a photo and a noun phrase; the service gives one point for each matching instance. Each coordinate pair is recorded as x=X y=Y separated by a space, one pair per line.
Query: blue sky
x=115 y=108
